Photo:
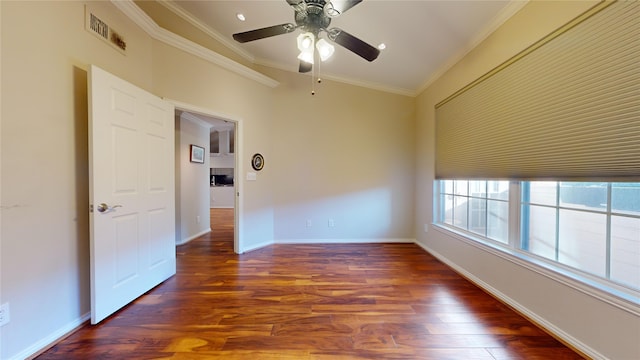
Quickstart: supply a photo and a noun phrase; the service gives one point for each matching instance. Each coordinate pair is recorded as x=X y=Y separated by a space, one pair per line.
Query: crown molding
x=133 y=12
x=195 y=119
x=370 y=85
x=513 y=7
x=207 y=121
x=174 y=7
x=212 y=124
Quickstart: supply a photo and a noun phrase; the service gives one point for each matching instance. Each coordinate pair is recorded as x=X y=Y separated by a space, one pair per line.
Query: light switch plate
x=251 y=176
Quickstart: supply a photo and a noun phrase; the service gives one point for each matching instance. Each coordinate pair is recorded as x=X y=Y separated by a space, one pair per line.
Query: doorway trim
x=238 y=247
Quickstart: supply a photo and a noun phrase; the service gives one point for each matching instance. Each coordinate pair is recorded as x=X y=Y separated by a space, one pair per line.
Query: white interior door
x=131 y=160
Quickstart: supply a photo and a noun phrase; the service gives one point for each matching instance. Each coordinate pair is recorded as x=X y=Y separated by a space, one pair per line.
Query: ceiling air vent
x=102 y=30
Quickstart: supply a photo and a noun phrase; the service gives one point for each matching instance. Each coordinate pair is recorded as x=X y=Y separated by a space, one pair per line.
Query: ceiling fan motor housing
x=313 y=17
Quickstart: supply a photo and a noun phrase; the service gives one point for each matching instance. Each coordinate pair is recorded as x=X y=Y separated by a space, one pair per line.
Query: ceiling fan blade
x=305 y=67
x=258 y=34
x=338 y=7
x=354 y=44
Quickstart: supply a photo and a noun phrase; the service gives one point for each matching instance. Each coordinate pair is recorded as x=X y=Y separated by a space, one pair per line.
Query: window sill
x=625 y=299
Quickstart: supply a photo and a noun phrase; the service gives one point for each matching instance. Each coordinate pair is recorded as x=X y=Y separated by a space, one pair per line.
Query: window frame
x=607 y=290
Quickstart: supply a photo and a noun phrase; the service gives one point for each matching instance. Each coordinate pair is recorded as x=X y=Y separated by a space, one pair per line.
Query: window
x=587 y=227
x=593 y=227
x=480 y=207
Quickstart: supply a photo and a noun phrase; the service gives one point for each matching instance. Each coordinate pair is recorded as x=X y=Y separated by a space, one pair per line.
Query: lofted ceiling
x=423 y=38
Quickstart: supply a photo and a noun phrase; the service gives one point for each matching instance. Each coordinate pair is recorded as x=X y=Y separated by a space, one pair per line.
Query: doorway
x=222 y=179
x=213 y=187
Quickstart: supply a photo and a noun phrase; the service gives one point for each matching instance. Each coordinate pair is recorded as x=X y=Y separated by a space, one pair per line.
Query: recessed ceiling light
x=241 y=17
x=382 y=46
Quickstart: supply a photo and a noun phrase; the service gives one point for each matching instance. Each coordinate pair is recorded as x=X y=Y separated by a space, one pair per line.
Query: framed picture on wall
x=197 y=154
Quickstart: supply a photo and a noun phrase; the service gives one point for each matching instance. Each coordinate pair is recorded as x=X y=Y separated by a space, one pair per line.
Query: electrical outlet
x=426 y=227
x=331 y=223
x=4 y=314
x=198 y=219
x=309 y=224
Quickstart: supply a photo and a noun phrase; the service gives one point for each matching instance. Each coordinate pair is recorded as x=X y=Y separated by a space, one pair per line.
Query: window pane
x=478 y=188
x=447 y=209
x=625 y=198
x=543 y=192
x=581 y=195
x=582 y=241
x=542 y=231
x=478 y=216
x=498 y=221
x=461 y=187
x=447 y=186
x=498 y=190
x=625 y=250
x=460 y=212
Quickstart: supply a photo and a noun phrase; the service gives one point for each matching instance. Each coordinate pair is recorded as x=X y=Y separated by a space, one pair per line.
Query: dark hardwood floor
x=360 y=301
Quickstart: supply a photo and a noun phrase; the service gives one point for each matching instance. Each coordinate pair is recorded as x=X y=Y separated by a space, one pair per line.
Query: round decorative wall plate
x=257 y=162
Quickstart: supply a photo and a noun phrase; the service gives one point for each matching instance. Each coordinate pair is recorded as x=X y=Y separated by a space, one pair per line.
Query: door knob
x=102 y=208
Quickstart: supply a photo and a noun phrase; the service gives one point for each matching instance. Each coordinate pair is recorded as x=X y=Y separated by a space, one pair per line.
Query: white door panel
x=131 y=137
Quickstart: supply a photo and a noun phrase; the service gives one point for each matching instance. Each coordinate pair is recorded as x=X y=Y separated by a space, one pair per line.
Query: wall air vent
x=102 y=30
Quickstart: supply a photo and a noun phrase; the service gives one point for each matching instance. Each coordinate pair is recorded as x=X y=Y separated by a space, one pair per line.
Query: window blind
x=567 y=108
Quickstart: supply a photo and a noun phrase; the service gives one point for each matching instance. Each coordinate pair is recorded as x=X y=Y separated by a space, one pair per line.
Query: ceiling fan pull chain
x=319 y=69
x=313 y=83
x=315 y=70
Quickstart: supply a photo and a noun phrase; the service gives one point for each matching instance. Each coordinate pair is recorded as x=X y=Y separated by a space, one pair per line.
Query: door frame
x=238 y=247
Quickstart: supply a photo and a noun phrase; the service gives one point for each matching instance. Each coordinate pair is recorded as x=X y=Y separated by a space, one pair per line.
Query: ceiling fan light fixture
x=325 y=49
x=305 y=42
x=306 y=56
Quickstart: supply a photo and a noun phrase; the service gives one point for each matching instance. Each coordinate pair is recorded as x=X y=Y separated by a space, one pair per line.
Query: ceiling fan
x=314 y=17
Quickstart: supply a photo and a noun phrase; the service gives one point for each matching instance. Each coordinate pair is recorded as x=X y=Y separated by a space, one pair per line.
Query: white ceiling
x=423 y=37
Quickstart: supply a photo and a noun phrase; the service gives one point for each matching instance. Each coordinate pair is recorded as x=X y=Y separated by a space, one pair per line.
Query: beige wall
x=593 y=324
x=45 y=225
x=345 y=154
x=192 y=181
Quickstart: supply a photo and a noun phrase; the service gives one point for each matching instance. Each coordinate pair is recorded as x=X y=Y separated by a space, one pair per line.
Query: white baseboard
x=256 y=247
x=184 y=241
x=327 y=241
x=535 y=318
x=51 y=339
x=344 y=241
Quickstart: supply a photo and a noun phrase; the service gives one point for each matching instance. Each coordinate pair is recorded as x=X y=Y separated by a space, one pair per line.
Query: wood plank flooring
x=356 y=301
